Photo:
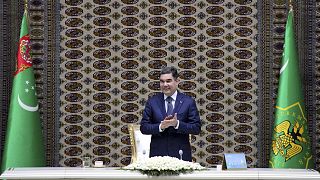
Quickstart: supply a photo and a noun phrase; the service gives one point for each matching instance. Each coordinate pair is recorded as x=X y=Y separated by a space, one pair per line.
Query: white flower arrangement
x=163 y=166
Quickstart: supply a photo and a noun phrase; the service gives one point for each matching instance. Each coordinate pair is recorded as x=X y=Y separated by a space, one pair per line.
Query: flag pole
x=26 y=11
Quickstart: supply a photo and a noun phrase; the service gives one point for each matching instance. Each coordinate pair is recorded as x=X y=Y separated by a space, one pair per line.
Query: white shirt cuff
x=177 y=126
x=160 y=130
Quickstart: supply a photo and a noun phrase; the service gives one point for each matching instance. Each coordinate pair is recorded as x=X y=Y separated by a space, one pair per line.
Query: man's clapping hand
x=169 y=121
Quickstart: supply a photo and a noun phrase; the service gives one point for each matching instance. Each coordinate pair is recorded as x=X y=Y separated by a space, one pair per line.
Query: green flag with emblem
x=24 y=145
x=290 y=140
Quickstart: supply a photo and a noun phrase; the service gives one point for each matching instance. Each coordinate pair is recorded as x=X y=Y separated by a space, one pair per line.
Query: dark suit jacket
x=171 y=140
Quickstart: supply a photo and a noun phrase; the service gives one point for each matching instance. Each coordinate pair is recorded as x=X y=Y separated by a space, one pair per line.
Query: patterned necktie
x=169 y=105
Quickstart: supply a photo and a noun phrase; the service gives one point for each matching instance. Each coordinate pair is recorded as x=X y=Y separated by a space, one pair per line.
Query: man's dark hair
x=170 y=70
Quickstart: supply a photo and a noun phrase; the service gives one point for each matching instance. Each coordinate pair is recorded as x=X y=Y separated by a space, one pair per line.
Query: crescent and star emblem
x=23 y=105
x=26 y=107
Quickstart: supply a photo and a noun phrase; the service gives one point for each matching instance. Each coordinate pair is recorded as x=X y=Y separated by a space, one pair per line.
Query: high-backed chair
x=140 y=143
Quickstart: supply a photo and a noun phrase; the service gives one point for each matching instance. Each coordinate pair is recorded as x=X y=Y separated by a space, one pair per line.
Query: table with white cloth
x=119 y=174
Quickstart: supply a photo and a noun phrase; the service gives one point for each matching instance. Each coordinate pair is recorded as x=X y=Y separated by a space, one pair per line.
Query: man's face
x=168 y=84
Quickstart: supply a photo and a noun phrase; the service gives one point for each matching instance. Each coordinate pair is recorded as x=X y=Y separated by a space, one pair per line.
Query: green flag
x=24 y=141
x=290 y=140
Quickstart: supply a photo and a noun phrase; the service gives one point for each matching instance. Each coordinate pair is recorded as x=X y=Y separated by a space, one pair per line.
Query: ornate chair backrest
x=140 y=143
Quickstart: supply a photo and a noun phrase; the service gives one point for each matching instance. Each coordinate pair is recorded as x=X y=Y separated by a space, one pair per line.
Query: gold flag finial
x=26 y=5
x=290 y=5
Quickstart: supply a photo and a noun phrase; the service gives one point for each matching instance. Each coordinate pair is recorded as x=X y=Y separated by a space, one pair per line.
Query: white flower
x=163 y=165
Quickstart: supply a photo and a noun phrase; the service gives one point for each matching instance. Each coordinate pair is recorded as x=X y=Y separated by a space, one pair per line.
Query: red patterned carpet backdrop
x=111 y=53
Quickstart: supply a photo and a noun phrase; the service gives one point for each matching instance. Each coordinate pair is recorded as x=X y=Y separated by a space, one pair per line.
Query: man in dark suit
x=170 y=117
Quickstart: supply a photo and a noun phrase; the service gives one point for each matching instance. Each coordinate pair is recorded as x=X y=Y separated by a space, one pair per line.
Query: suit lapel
x=162 y=105
x=178 y=103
